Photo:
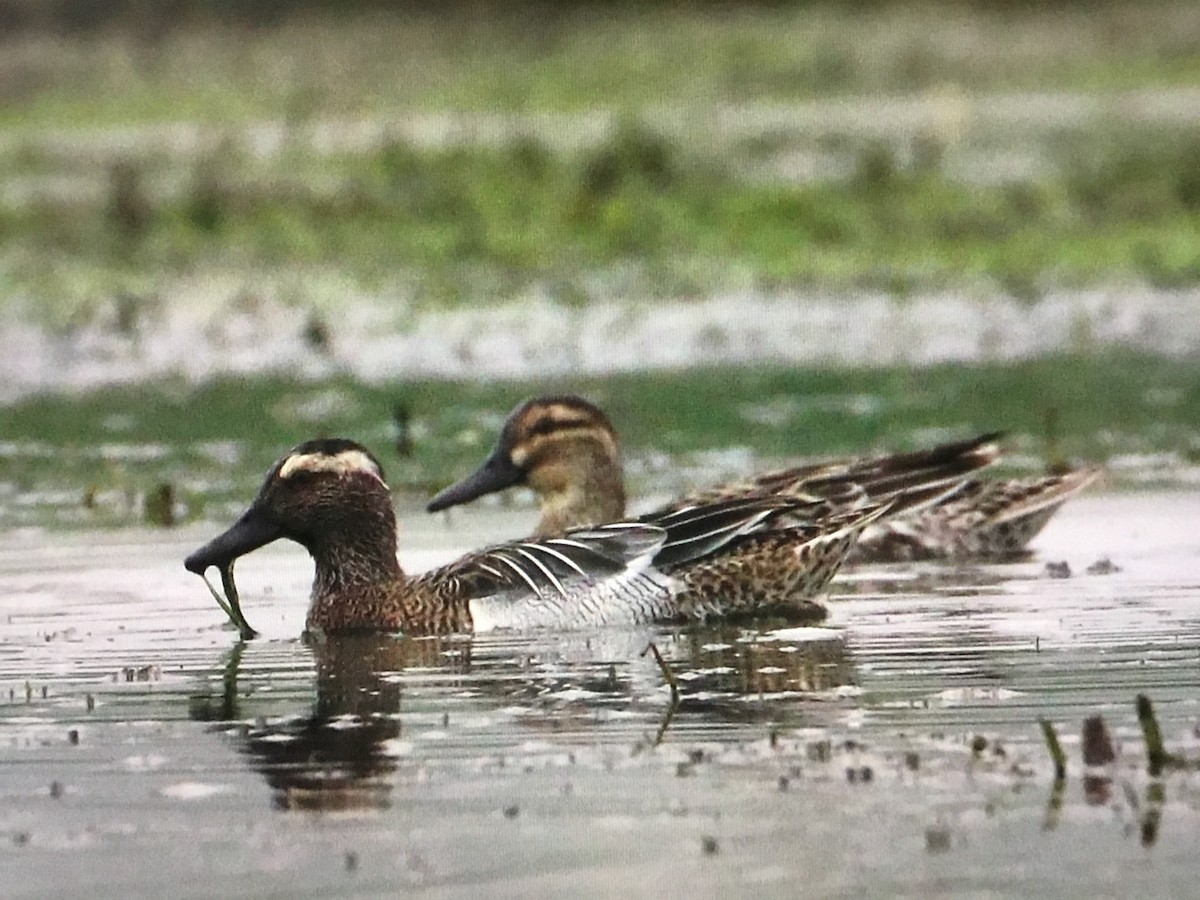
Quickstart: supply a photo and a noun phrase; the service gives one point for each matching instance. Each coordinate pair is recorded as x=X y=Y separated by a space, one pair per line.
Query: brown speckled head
x=313 y=495
x=330 y=497
x=330 y=493
x=566 y=450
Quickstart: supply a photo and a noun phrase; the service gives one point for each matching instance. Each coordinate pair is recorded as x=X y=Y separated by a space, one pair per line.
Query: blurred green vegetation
x=469 y=153
x=464 y=222
x=212 y=443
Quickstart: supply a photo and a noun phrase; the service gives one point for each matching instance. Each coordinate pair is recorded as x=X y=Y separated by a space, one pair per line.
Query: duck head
x=566 y=450
x=327 y=495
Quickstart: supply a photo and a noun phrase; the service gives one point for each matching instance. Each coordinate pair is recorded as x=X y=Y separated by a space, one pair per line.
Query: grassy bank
x=654 y=152
x=92 y=459
x=642 y=213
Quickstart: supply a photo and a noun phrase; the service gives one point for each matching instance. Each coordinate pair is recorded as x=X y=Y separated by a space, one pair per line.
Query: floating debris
x=1057 y=570
x=819 y=751
x=937 y=840
x=1103 y=566
x=1097 y=742
x=141 y=673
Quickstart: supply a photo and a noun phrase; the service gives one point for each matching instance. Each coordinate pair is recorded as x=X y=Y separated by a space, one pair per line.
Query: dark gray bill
x=496 y=473
x=248 y=533
x=251 y=531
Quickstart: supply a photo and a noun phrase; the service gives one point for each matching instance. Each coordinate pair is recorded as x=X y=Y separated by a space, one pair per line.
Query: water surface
x=893 y=751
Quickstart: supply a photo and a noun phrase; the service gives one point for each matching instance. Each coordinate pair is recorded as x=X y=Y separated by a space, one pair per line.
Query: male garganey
x=734 y=557
x=567 y=451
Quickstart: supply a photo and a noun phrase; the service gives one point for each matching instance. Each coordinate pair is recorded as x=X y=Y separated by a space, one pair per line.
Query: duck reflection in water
x=338 y=757
x=341 y=754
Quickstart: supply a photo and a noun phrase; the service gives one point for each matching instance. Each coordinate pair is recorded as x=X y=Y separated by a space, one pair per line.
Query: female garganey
x=734 y=557
x=567 y=451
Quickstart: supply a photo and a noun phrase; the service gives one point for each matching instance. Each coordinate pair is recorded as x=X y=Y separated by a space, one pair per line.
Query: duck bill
x=251 y=531
x=497 y=473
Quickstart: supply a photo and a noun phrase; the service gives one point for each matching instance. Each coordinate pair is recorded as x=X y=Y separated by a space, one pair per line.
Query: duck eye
x=542 y=427
x=298 y=478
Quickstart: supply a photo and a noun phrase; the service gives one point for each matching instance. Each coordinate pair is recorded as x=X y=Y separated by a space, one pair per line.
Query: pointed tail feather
x=984 y=520
x=915 y=479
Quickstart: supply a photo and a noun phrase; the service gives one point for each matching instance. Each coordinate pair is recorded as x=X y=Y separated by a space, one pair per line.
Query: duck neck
x=357 y=555
x=586 y=491
x=347 y=567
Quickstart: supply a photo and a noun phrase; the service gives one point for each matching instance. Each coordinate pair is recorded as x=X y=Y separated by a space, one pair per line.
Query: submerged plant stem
x=1055 y=748
x=232 y=606
x=1156 y=754
x=674 y=686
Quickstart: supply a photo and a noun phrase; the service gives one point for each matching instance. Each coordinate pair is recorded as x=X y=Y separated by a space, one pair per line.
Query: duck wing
x=697 y=532
x=593 y=576
x=914 y=479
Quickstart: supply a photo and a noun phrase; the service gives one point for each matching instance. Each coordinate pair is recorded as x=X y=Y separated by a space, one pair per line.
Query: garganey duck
x=567 y=451
x=733 y=557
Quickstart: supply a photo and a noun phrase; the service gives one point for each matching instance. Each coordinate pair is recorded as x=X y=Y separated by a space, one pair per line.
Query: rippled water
x=894 y=751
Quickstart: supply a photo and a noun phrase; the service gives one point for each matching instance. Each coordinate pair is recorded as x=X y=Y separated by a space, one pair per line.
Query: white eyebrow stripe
x=339 y=464
x=545 y=571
